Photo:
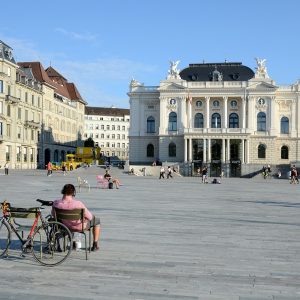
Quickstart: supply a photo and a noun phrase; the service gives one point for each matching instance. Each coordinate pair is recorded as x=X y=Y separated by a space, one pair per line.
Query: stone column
x=225 y=112
x=182 y=116
x=190 y=113
x=204 y=150
x=247 y=151
x=207 y=111
x=163 y=116
x=243 y=151
x=228 y=150
x=209 y=150
x=251 y=116
x=185 y=150
x=293 y=120
x=190 y=150
x=223 y=151
x=272 y=128
x=244 y=113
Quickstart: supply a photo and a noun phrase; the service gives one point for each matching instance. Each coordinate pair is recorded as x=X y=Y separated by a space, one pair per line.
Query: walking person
x=49 y=168
x=169 y=173
x=6 y=167
x=204 y=175
x=63 y=167
x=162 y=172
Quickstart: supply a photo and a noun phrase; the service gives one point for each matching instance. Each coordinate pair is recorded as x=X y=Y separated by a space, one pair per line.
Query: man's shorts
x=93 y=223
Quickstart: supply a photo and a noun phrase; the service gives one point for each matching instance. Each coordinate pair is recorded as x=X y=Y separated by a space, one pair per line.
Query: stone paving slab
x=166 y=239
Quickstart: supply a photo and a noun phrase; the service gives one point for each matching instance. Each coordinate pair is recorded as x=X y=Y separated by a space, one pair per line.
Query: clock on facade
x=172 y=101
x=261 y=101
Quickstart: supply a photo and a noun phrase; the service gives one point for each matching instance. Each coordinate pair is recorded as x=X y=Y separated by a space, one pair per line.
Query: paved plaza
x=166 y=239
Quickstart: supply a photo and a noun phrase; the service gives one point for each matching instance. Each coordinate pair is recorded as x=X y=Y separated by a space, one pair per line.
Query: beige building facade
x=41 y=113
x=109 y=128
x=222 y=115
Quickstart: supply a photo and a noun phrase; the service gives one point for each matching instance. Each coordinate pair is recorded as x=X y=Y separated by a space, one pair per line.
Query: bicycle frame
x=44 y=241
x=7 y=217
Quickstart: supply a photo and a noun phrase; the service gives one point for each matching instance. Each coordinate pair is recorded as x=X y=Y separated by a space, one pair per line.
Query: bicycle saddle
x=45 y=202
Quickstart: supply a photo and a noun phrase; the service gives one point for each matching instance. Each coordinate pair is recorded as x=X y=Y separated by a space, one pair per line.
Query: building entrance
x=235 y=168
x=216 y=151
x=215 y=168
x=196 y=164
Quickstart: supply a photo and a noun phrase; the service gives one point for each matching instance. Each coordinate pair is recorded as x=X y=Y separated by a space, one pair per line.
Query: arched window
x=150 y=125
x=233 y=120
x=172 y=121
x=198 y=122
x=56 y=155
x=261 y=121
x=216 y=121
x=261 y=151
x=284 y=152
x=150 y=150
x=284 y=125
x=172 y=150
x=62 y=155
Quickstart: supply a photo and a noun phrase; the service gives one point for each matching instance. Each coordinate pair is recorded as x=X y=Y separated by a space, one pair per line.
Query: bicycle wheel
x=4 y=237
x=51 y=243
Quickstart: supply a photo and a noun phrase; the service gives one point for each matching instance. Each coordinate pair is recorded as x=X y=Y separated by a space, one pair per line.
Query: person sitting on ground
x=216 y=181
x=278 y=173
x=69 y=202
x=108 y=177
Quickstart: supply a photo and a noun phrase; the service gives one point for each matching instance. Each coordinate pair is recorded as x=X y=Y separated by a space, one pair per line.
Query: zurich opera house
x=225 y=116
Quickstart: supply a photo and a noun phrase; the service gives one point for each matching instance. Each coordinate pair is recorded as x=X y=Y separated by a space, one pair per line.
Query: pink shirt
x=68 y=202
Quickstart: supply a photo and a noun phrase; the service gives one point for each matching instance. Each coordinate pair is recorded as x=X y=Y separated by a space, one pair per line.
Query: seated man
x=68 y=202
x=108 y=177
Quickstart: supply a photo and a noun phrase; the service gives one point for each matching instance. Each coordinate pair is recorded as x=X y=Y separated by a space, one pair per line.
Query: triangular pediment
x=170 y=86
x=262 y=86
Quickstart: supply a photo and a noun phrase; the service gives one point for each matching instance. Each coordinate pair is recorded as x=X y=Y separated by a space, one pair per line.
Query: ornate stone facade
x=41 y=113
x=223 y=115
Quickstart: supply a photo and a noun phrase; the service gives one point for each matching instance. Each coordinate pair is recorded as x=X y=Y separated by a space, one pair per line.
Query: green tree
x=89 y=142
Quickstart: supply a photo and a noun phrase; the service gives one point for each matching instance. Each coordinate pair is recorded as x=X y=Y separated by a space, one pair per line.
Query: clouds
x=75 y=35
x=102 y=81
x=107 y=68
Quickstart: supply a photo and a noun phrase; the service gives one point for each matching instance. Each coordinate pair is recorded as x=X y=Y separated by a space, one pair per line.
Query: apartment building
x=109 y=128
x=41 y=113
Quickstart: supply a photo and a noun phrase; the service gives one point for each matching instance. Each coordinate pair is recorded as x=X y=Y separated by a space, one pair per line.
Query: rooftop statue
x=134 y=83
x=261 y=69
x=173 y=73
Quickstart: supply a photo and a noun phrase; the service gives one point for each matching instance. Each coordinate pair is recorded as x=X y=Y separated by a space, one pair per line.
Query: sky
x=101 y=45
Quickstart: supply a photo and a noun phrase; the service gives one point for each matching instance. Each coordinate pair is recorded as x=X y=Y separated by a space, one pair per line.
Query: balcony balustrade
x=11 y=99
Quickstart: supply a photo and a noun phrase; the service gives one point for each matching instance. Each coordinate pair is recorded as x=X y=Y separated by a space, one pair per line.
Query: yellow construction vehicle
x=83 y=156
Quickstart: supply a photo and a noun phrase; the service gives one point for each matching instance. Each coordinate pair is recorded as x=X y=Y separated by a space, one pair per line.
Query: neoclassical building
x=41 y=113
x=223 y=115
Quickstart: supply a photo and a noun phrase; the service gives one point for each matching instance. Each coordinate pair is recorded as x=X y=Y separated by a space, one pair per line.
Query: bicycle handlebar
x=45 y=202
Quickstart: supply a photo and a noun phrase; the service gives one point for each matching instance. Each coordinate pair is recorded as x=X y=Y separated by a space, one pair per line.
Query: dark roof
x=38 y=71
x=106 y=111
x=54 y=79
x=230 y=71
x=53 y=73
x=6 y=52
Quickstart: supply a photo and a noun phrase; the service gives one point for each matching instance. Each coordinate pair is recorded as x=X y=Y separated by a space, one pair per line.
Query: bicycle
x=50 y=243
